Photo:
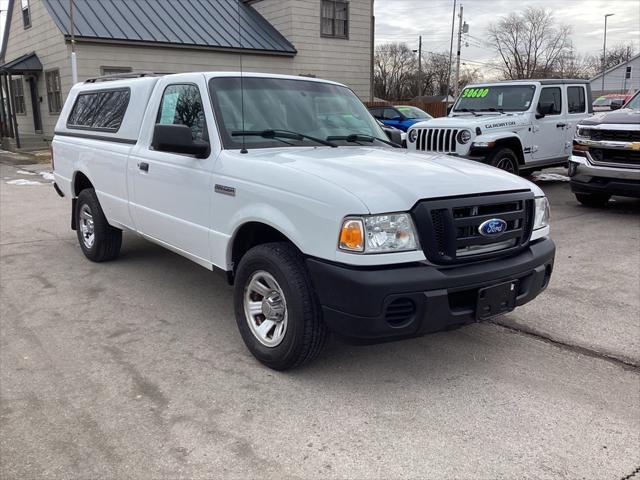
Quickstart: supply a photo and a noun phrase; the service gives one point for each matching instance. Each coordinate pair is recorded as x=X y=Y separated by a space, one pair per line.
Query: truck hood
x=389 y=180
x=484 y=121
x=624 y=116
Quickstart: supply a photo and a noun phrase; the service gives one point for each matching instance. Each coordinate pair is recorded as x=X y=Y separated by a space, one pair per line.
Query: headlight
x=393 y=232
x=583 y=132
x=464 y=136
x=413 y=135
x=541 y=219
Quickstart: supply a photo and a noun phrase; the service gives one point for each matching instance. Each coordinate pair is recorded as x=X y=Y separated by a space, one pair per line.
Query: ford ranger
x=289 y=186
x=517 y=126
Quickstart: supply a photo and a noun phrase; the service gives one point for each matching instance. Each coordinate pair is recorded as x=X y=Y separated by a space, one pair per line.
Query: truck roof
x=541 y=81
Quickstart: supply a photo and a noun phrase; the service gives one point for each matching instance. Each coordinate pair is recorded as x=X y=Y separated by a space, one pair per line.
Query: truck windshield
x=310 y=109
x=495 y=98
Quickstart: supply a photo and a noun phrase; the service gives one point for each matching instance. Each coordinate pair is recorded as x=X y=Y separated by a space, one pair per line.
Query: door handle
x=561 y=125
x=144 y=166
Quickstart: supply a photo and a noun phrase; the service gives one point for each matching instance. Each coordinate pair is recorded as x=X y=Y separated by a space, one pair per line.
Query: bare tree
x=395 y=65
x=529 y=43
x=615 y=55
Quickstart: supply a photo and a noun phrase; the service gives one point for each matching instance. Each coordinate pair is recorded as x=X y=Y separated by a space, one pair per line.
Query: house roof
x=190 y=23
x=614 y=67
x=29 y=63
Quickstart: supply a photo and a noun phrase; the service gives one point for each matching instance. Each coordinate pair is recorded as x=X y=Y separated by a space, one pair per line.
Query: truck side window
x=390 y=113
x=182 y=105
x=576 y=99
x=552 y=95
x=100 y=110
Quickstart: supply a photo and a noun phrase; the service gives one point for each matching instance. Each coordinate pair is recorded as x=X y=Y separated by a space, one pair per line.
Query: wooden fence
x=438 y=109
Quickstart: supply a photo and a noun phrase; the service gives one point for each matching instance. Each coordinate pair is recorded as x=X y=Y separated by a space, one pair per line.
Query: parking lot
x=135 y=368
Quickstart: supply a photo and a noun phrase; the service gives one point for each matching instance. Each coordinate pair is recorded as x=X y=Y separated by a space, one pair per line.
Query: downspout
x=373 y=38
x=3 y=116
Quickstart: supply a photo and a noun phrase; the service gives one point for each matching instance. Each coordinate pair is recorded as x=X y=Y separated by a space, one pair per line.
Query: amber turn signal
x=352 y=236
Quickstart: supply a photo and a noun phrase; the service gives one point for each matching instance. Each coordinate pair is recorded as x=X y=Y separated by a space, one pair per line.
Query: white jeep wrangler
x=517 y=126
x=290 y=187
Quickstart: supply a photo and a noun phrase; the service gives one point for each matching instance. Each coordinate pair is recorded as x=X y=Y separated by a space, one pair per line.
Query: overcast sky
x=405 y=20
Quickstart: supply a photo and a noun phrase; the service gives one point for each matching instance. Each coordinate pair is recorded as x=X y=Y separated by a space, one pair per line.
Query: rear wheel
x=593 y=199
x=504 y=159
x=276 y=309
x=98 y=240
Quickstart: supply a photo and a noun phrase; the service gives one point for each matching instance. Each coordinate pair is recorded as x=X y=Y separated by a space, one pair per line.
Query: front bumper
x=356 y=301
x=589 y=178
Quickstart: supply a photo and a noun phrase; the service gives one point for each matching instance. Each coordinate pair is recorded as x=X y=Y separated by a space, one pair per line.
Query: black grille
x=615 y=135
x=449 y=227
x=620 y=157
x=399 y=311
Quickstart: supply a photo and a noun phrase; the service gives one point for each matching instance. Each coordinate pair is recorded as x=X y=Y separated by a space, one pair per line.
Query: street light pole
x=604 y=49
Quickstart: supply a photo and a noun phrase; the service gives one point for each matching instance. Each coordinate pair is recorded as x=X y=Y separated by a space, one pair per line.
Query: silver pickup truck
x=606 y=155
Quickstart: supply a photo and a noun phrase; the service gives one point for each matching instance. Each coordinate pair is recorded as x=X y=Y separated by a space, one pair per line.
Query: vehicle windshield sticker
x=475 y=92
x=169 y=103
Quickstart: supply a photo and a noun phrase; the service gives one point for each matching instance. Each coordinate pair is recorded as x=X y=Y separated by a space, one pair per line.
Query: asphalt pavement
x=135 y=368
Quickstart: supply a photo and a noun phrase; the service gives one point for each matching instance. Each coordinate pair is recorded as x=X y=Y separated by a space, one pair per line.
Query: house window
x=54 y=92
x=26 y=15
x=335 y=19
x=18 y=95
x=114 y=70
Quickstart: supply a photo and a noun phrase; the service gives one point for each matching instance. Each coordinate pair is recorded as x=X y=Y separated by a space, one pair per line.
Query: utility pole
x=453 y=27
x=455 y=85
x=420 y=66
x=604 y=49
x=74 y=65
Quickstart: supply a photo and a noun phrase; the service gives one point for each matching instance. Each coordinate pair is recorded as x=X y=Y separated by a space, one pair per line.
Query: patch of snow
x=47 y=175
x=25 y=172
x=22 y=181
x=551 y=177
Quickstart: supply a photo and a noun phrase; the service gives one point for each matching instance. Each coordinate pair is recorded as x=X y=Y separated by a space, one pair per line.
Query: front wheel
x=593 y=199
x=276 y=309
x=504 y=159
x=98 y=240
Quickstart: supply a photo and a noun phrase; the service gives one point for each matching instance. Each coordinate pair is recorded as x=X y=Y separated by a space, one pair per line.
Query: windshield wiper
x=492 y=109
x=361 y=137
x=277 y=134
x=471 y=110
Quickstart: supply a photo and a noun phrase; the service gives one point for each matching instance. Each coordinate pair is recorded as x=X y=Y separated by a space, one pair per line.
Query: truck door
x=576 y=111
x=171 y=192
x=550 y=129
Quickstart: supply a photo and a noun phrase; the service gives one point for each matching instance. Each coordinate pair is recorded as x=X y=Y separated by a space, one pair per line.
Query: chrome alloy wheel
x=505 y=164
x=86 y=226
x=265 y=309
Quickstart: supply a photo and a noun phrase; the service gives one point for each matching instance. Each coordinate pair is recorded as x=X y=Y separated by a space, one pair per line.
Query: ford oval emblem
x=493 y=227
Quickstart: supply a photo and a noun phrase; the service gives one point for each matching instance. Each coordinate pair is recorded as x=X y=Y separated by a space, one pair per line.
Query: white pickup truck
x=517 y=126
x=290 y=187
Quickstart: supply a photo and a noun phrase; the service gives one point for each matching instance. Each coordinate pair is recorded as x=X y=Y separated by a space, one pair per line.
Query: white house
x=622 y=78
x=330 y=39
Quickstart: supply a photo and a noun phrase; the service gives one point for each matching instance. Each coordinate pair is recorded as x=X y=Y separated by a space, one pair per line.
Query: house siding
x=614 y=80
x=45 y=39
x=346 y=61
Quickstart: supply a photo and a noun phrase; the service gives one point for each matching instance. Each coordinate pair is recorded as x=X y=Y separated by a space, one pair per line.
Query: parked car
x=516 y=126
x=400 y=116
x=609 y=102
x=606 y=156
x=319 y=226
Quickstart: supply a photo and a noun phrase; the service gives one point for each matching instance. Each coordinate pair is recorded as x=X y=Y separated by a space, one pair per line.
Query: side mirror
x=394 y=135
x=544 y=109
x=178 y=139
x=616 y=104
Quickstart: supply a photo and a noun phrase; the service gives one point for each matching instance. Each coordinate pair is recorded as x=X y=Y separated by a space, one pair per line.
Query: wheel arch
x=248 y=235
x=514 y=143
x=79 y=182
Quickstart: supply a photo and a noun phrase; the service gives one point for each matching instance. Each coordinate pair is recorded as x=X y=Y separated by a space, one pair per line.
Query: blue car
x=400 y=116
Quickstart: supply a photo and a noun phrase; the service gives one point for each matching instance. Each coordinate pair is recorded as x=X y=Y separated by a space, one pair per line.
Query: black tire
x=106 y=239
x=504 y=159
x=305 y=334
x=593 y=199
